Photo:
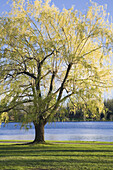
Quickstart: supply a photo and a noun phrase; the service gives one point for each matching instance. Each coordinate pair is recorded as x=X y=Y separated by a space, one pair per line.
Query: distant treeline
x=109 y=113
x=67 y=114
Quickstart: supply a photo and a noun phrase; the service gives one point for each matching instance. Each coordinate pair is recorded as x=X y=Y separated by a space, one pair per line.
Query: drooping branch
x=19 y=73
x=12 y=107
x=7 y=76
x=28 y=74
x=93 y=50
x=7 y=110
x=23 y=61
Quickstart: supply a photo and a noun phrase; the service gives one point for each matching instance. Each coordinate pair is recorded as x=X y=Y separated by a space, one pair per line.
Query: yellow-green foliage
x=48 y=55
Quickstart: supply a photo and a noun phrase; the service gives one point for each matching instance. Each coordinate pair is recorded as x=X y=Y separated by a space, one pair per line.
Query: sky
x=78 y=4
x=81 y=5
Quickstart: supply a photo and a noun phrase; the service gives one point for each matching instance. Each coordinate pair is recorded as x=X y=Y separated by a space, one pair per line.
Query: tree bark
x=39 y=132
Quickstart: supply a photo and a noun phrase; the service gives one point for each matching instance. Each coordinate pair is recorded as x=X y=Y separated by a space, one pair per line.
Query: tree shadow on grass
x=48 y=147
x=53 y=163
x=52 y=156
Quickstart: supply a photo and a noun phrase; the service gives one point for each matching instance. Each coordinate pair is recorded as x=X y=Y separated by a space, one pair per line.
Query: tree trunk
x=39 y=132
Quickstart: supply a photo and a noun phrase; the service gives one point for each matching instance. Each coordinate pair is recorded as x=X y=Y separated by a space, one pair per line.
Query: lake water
x=79 y=131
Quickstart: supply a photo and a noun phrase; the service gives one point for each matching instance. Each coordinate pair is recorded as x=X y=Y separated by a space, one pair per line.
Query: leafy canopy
x=48 y=55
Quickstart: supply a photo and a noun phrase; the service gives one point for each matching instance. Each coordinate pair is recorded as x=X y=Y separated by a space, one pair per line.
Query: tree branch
x=38 y=78
x=62 y=85
x=10 y=108
x=55 y=106
x=46 y=57
x=92 y=51
x=51 y=84
x=28 y=74
x=46 y=74
x=39 y=65
x=64 y=98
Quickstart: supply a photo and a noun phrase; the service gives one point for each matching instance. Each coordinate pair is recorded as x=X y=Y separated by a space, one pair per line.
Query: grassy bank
x=93 y=155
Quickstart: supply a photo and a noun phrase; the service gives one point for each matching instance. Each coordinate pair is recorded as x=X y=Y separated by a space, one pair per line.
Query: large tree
x=48 y=56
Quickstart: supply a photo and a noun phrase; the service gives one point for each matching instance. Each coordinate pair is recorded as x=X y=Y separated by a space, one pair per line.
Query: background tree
x=109 y=107
x=47 y=56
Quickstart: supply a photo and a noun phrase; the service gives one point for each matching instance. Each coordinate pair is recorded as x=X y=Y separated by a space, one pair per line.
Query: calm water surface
x=82 y=131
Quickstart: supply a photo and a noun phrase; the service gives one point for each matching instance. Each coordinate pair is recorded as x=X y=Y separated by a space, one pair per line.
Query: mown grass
x=56 y=156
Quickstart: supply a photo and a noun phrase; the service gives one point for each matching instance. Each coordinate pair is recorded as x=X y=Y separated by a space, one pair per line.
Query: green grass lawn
x=58 y=156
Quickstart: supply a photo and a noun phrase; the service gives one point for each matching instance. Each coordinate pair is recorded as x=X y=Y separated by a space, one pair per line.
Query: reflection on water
x=80 y=131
